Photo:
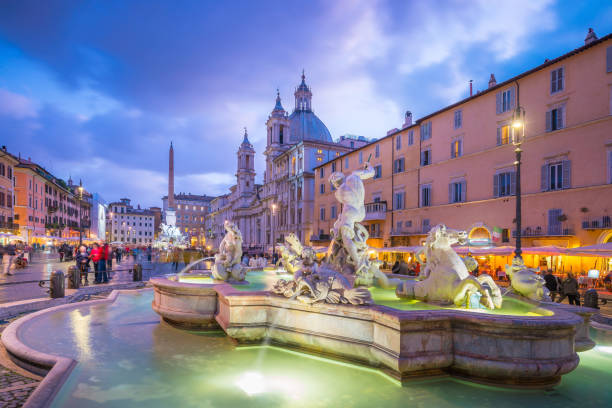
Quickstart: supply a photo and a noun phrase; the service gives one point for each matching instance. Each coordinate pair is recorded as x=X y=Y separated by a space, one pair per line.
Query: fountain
x=445 y=321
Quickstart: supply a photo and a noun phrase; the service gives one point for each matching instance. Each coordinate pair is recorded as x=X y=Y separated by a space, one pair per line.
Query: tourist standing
x=82 y=259
x=569 y=289
x=96 y=257
x=175 y=258
x=7 y=259
x=551 y=284
x=106 y=256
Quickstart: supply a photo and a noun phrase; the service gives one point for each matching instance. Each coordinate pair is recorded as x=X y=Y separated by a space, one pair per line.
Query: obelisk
x=170 y=213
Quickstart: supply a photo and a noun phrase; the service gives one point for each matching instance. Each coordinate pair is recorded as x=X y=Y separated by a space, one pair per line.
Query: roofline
x=479 y=94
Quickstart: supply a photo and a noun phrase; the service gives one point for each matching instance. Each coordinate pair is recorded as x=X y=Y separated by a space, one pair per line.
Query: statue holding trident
x=348 y=252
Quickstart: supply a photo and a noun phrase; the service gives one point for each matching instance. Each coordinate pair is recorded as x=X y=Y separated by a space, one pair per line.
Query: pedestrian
x=569 y=289
x=396 y=267
x=82 y=259
x=8 y=257
x=175 y=258
x=551 y=284
x=186 y=257
x=105 y=252
x=109 y=259
x=96 y=257
x=149 y=253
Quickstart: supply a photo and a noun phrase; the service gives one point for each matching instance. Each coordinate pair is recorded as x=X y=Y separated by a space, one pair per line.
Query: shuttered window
x=322 y=188
x=456 y=192
x=398 y=142
x=426 y=131
x=555 y=119
x=503 y=135
x=398 y=165
x=426 y=157
x=333 y=212
x=346 y=163
x=411 y=138
x=609 y=59
x=504 y=101
x=360 y=157
x=425 y=195
x=456 y=148
x=399 y=200
x=610 y=166
x=378 y=171
x=504 y=184
x=557 y=78
x=556 y=176
x=322 y=213
x=458 y=119
x=377 y=151
x=554 y=221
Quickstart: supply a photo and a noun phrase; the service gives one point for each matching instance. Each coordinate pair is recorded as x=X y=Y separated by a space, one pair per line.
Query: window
x=556 y=176
x=398 y=142
x=503 y=135
x=425 y=195
x=411 y=138
x=555 y=119
x=399 y=199
x=458 y=118
x=426 y=157
x=609 y=59
x=425 y=225
x=398 y=165
x=346 y=162
x=322 y=188
x=504 y=101
x=456 y=148
x=360 y=157
x=322 y=213
x=333 y=166
x=378 y=171
x=280 y=134
x=377 y=151
x=426 y=131
x=610 y=166
x=504 y=184
x=333 y=212
x=556 y=80
x=456 y=192
x=321 y=172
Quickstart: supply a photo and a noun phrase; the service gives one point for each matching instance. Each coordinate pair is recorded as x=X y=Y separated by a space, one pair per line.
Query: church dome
x=305 y=125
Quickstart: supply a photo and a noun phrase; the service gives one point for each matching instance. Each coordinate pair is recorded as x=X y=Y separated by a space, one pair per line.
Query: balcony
x=406 y=232
x=9 y=226
x=376 y=211
x=52 y=209
x=555 y=230
x=604 y=222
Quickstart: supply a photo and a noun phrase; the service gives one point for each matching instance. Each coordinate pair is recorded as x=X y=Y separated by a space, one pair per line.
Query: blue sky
x=98 y=89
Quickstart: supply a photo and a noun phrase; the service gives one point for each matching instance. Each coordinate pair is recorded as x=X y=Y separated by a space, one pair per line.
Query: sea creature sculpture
x=445 y=278
x=322 y=285
x=526 y=282
x=228 y=264
x=294 y=255
x=170 y=235
x=348 y=251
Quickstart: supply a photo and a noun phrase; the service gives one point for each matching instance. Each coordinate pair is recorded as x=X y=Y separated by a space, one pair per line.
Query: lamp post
x=518 y=136
x=273 y=240
x=80 y=215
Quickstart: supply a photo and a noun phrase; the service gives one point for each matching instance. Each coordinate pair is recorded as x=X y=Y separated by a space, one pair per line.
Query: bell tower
x=245 y=176
x=278 y=130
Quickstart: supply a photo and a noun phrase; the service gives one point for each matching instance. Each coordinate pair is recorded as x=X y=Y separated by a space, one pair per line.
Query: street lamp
x=80 y=216
x=273 y=241
x=518 y=136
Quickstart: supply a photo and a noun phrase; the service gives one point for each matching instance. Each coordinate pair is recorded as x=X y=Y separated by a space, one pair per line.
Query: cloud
x=16 y=106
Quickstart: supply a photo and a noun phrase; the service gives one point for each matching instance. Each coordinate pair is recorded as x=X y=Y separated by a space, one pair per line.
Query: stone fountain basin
x=511 y=350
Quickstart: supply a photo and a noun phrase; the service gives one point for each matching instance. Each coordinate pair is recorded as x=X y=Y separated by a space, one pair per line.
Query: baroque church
x=284 y=203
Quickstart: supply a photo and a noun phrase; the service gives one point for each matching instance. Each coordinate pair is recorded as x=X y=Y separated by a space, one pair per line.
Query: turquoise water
x=257 y=280
x=128 y=359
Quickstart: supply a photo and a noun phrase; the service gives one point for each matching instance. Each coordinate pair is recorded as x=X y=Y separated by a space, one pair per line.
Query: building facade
x=7 y=192
x=191 y=211
x=129 y=225
x=457 y=166
x=46 y=207
x=284 y=203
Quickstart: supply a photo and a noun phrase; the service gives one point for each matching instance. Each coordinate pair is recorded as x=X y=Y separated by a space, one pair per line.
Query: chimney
x=407 y=119
x=470 y=87
x=492 y=81
x=591 y=36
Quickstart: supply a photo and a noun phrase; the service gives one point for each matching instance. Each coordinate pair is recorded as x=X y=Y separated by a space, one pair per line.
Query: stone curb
x=56 y=368
x=12 y=309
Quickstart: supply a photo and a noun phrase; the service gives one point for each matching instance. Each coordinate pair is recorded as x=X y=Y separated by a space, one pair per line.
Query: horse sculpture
x=445 y=279
x=526 y=282
x=227 y=264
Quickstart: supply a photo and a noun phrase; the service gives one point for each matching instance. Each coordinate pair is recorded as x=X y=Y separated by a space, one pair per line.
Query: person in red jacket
x=106 y=256
x=96 y=257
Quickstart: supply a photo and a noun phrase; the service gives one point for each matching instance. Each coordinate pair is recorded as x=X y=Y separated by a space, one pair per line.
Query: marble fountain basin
x=523 y=344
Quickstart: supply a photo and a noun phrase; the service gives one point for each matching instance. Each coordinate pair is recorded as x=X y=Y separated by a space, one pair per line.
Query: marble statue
x=170 y=235
x=228 y=264
x=445 y=279
x=294 y=255
x=314 y=284
x=526 y=282
x=348 y=251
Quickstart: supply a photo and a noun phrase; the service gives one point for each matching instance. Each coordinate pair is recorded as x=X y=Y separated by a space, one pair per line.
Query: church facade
x=284 y=203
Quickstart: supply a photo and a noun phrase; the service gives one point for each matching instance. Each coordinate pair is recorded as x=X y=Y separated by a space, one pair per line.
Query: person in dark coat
x=569 y=289
x=551 y=284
